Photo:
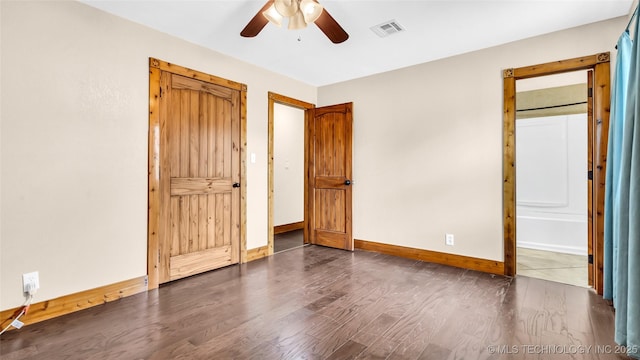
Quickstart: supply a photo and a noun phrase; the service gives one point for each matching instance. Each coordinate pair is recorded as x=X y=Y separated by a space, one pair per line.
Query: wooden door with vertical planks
x=330 y=147
x=200 y=175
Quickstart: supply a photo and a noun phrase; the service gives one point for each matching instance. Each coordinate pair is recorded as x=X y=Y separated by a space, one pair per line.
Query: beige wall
x=74 y=143
x=428 y=142
x=549 y=81
x=551 y=101
x=73 y=140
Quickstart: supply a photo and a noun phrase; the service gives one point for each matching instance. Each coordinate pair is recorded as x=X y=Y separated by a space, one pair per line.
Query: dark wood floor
x=319 y=303
x=288 y=240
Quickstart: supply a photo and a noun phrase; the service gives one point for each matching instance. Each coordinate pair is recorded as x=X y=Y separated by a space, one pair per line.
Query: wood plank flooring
x=288 y=240
x=320 y=303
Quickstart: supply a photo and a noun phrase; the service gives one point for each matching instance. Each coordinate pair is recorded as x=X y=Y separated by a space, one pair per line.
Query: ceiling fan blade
x=256 y=24
x=331 y=28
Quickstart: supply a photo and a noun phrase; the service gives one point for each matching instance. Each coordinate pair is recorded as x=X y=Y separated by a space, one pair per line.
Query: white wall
x=288 y=164
x=428 y=142
x=74 y=112
x=551 y=190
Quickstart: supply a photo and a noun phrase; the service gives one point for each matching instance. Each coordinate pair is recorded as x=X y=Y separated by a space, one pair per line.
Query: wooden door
x=330 y=146
x=199 y=176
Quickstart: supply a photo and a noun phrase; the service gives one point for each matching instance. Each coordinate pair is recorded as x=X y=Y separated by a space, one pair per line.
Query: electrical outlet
x=30 y=282
x=448 y=239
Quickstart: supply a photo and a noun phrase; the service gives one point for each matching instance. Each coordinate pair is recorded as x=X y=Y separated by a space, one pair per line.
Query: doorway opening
x=598 y=127
x=328 y=143
x=288 y=177
x=552 y=177
x=287 y=172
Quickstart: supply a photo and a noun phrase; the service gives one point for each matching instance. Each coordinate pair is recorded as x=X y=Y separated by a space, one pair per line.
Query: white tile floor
x=553 y=266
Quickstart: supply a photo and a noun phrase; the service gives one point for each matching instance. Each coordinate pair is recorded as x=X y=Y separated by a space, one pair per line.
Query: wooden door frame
x=156 y=141
x=307 y=107
x=600 y=65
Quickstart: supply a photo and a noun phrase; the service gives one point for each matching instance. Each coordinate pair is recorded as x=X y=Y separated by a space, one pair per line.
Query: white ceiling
x=435 y=30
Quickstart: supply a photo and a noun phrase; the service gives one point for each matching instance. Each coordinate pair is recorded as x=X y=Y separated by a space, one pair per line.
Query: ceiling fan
x=300 y=13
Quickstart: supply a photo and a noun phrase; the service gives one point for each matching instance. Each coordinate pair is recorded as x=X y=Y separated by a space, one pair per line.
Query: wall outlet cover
x=30 y=281
x=449 y=239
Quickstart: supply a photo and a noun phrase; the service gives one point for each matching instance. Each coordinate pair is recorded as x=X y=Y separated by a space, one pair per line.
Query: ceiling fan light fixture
x=300 y=13
x=296 y=22
x=286 y=8
x=273 y=16
x=311 y=10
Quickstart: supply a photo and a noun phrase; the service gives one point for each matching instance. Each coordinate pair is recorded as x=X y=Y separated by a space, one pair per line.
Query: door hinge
x=590 y=259
x=590 y=175
x=590 y=92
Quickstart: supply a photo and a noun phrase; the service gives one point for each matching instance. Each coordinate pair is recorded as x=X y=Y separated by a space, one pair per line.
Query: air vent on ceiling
x=387 y=28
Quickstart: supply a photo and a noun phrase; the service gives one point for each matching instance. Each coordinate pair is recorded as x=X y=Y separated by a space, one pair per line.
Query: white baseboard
x=555 y=248
x=560 y=234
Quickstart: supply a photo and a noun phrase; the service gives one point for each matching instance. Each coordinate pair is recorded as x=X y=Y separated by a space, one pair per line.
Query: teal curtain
x=622 y=196
x=614 y=158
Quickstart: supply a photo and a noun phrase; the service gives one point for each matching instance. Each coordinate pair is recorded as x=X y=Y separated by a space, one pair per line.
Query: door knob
x=236 y=185
x=347 y=182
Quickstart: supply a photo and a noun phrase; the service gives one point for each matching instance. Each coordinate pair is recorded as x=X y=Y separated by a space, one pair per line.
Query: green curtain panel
x=622 y=196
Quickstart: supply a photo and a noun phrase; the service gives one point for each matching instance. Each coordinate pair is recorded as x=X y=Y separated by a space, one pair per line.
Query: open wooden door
x=329 y=167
